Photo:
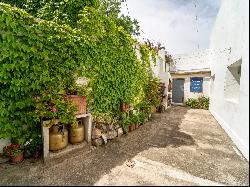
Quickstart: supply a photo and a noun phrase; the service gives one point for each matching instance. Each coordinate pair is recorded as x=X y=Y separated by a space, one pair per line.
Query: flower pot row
x=133 y=127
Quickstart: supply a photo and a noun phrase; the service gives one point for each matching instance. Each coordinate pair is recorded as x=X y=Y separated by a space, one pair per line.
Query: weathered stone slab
x=105 y=139
x=111 y=135
x=96 y=133
x=119 y=132
x=97 y=142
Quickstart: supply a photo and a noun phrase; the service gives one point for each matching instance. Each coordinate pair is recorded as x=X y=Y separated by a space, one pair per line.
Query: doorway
x=178 y=90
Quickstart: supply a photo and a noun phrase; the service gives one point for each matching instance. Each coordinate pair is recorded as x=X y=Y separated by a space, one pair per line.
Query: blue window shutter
x=196 y=84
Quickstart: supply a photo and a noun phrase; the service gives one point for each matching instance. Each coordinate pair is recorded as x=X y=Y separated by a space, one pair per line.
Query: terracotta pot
x=123 y=107
x=136 y=126
x=127 y=106
x=18 y=159
x=79 y=102
x=130 y=128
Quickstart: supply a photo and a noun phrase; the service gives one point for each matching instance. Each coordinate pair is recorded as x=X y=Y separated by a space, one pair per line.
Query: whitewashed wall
x=159 y=68
x=162 y=72
x=191 y=62
x=229 y=42
x=187 y=93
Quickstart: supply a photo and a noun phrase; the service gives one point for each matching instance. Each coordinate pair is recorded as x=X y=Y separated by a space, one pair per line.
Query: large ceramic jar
x=76 y=134
x=58 y=140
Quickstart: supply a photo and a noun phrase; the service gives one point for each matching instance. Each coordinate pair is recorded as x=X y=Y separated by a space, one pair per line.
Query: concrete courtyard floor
x=179 y=147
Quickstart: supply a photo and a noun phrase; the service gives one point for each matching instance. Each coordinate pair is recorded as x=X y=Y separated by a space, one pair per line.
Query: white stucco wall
x=187 y=93
x=159 y=69
x=191 y=62
x=229 y=42
x=162 y=72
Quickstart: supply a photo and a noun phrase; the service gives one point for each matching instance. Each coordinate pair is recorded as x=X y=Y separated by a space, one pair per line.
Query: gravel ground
x=179 y=147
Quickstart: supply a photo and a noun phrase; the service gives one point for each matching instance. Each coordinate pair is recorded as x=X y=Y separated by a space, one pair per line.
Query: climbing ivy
x=40 y=60
x=60 y=11
x=32 y=66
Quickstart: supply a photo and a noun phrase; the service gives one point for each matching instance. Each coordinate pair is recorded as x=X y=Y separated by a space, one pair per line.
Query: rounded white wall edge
x=234 y=137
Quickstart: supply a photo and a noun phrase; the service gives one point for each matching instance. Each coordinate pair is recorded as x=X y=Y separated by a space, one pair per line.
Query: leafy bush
x=152 y=91
x=199 y=103
x=33 y=68
x=40 y=60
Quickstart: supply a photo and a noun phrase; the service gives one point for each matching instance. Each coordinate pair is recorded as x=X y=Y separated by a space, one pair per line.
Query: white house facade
x=191 y=76
x=229 y=62
x=161 y=70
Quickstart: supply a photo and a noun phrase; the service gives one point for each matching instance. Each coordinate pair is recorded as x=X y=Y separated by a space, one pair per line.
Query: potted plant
x=142 y=117
x=14 y=152
x=77 y=93
x=125 y=106
x=126 y=121
x=133 y=122
x=136 y=121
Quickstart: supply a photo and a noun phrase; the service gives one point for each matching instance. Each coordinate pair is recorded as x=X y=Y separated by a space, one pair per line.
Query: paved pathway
x=179 y=147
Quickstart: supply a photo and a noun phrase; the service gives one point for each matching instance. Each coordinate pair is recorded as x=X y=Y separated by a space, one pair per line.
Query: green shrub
x=199 y=103
x=40 y=60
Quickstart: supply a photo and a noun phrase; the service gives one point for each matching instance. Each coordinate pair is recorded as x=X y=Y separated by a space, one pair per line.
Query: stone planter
x=96 y=133
x=119 y=132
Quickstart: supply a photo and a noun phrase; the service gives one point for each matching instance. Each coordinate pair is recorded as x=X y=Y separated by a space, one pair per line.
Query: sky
x=173 y=23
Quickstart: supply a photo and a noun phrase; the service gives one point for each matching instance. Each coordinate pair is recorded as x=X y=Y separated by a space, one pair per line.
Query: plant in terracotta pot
x=55 y=107
x=144 y=108
x=125 y=106
x=135 y=121
x=125 y=122
x=14 y=152
x=77 y=93
x=141 y=118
